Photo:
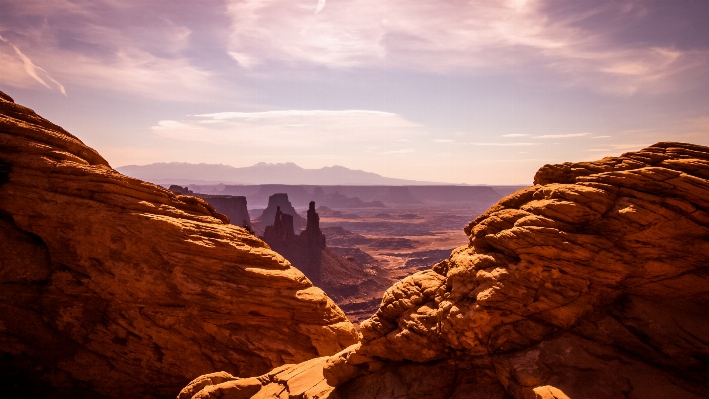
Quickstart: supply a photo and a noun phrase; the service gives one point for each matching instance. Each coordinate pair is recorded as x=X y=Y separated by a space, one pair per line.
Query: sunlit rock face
x=593 y=283
x=113 y=287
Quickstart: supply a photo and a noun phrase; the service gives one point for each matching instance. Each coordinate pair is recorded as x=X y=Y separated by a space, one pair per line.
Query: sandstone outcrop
x=348 y=282
x=593 y=283
x=113 y=287
x=275 y=202
x=234 y=207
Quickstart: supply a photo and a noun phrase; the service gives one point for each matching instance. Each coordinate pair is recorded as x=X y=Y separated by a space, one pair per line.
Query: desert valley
x=590 y=283
x=380 y=233
x=354 y=199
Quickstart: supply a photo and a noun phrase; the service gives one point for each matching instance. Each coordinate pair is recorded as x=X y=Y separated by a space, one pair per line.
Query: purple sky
x=463 y=92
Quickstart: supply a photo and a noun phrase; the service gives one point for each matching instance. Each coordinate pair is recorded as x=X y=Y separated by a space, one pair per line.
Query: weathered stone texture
x=113 y=287
x=593 y=283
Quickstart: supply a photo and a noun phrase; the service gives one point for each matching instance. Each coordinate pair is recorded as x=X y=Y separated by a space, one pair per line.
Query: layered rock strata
x=234 y=207
x=280 y=202
x=113 y=287
x=593 y=283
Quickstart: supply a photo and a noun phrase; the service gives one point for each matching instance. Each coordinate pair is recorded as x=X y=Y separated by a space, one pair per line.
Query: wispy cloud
x=501 y=144
x=320 y=7
x=33 y=70
x=398 y=152
x=560 y=136
x=463 y=37
x=292 y=128
x=442 y=141
x=297 y=114
x=515 y=135
x=102 y=47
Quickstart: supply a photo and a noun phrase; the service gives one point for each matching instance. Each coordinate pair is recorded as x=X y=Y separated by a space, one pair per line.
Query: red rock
x=113 y=287
x=593 y=283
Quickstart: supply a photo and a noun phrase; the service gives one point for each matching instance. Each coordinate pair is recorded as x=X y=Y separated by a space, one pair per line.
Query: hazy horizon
x=481 y=92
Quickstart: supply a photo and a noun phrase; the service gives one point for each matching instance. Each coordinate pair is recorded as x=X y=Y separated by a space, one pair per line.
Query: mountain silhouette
x=261 y=173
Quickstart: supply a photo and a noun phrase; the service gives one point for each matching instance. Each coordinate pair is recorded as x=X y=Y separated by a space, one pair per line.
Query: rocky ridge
x=592 y=283
x=113 y=287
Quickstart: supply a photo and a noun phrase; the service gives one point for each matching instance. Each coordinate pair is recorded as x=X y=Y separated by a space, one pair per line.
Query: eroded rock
x=592 y=283
x=114 y=287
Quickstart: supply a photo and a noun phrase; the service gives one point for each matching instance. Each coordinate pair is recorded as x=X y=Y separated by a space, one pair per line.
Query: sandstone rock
x=180 y=190
x=344 y=280
x=312 y=234
x=276 y=201
x=234 y=207
x=593 y=283
x=113 y=287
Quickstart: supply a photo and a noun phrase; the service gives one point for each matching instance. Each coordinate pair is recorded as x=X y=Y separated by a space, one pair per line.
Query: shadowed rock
x=275 y=202
x=344 y=280
x=233 y=207
x=113 y=287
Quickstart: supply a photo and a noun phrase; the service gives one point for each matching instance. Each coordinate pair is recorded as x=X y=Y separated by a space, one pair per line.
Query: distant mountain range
x=261 y=173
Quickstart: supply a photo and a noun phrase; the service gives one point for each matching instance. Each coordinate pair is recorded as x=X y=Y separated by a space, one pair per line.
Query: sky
x=475 y=92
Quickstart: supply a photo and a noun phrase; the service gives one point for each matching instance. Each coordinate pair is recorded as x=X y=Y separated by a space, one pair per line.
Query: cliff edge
x=113 y=287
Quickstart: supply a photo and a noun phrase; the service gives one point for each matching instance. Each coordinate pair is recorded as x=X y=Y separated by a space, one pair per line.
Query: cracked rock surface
x=593 y=283
x=113 y=287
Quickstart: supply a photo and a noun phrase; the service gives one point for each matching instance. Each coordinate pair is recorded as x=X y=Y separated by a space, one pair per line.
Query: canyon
x=593 y=282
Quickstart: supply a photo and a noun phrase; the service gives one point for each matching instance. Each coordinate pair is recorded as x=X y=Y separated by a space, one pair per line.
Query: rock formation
x=337 y=200
x=593 y=283
x=111 y=287
x=234 y=207
x=347 y=281
x=276 y=202
x=312 y=234
x=180 y=190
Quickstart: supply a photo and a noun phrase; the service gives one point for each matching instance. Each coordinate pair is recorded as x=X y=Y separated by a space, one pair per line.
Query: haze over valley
x=261 y=173
x=354 y=199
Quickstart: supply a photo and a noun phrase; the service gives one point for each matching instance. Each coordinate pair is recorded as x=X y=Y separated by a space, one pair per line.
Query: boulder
x=113 y=287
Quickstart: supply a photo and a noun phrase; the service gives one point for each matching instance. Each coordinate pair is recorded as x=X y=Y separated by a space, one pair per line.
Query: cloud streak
x=560 y=136
x=500 y=144
x=104 y=46
x=463 y=37
x=32 y=69
x=292 y=128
